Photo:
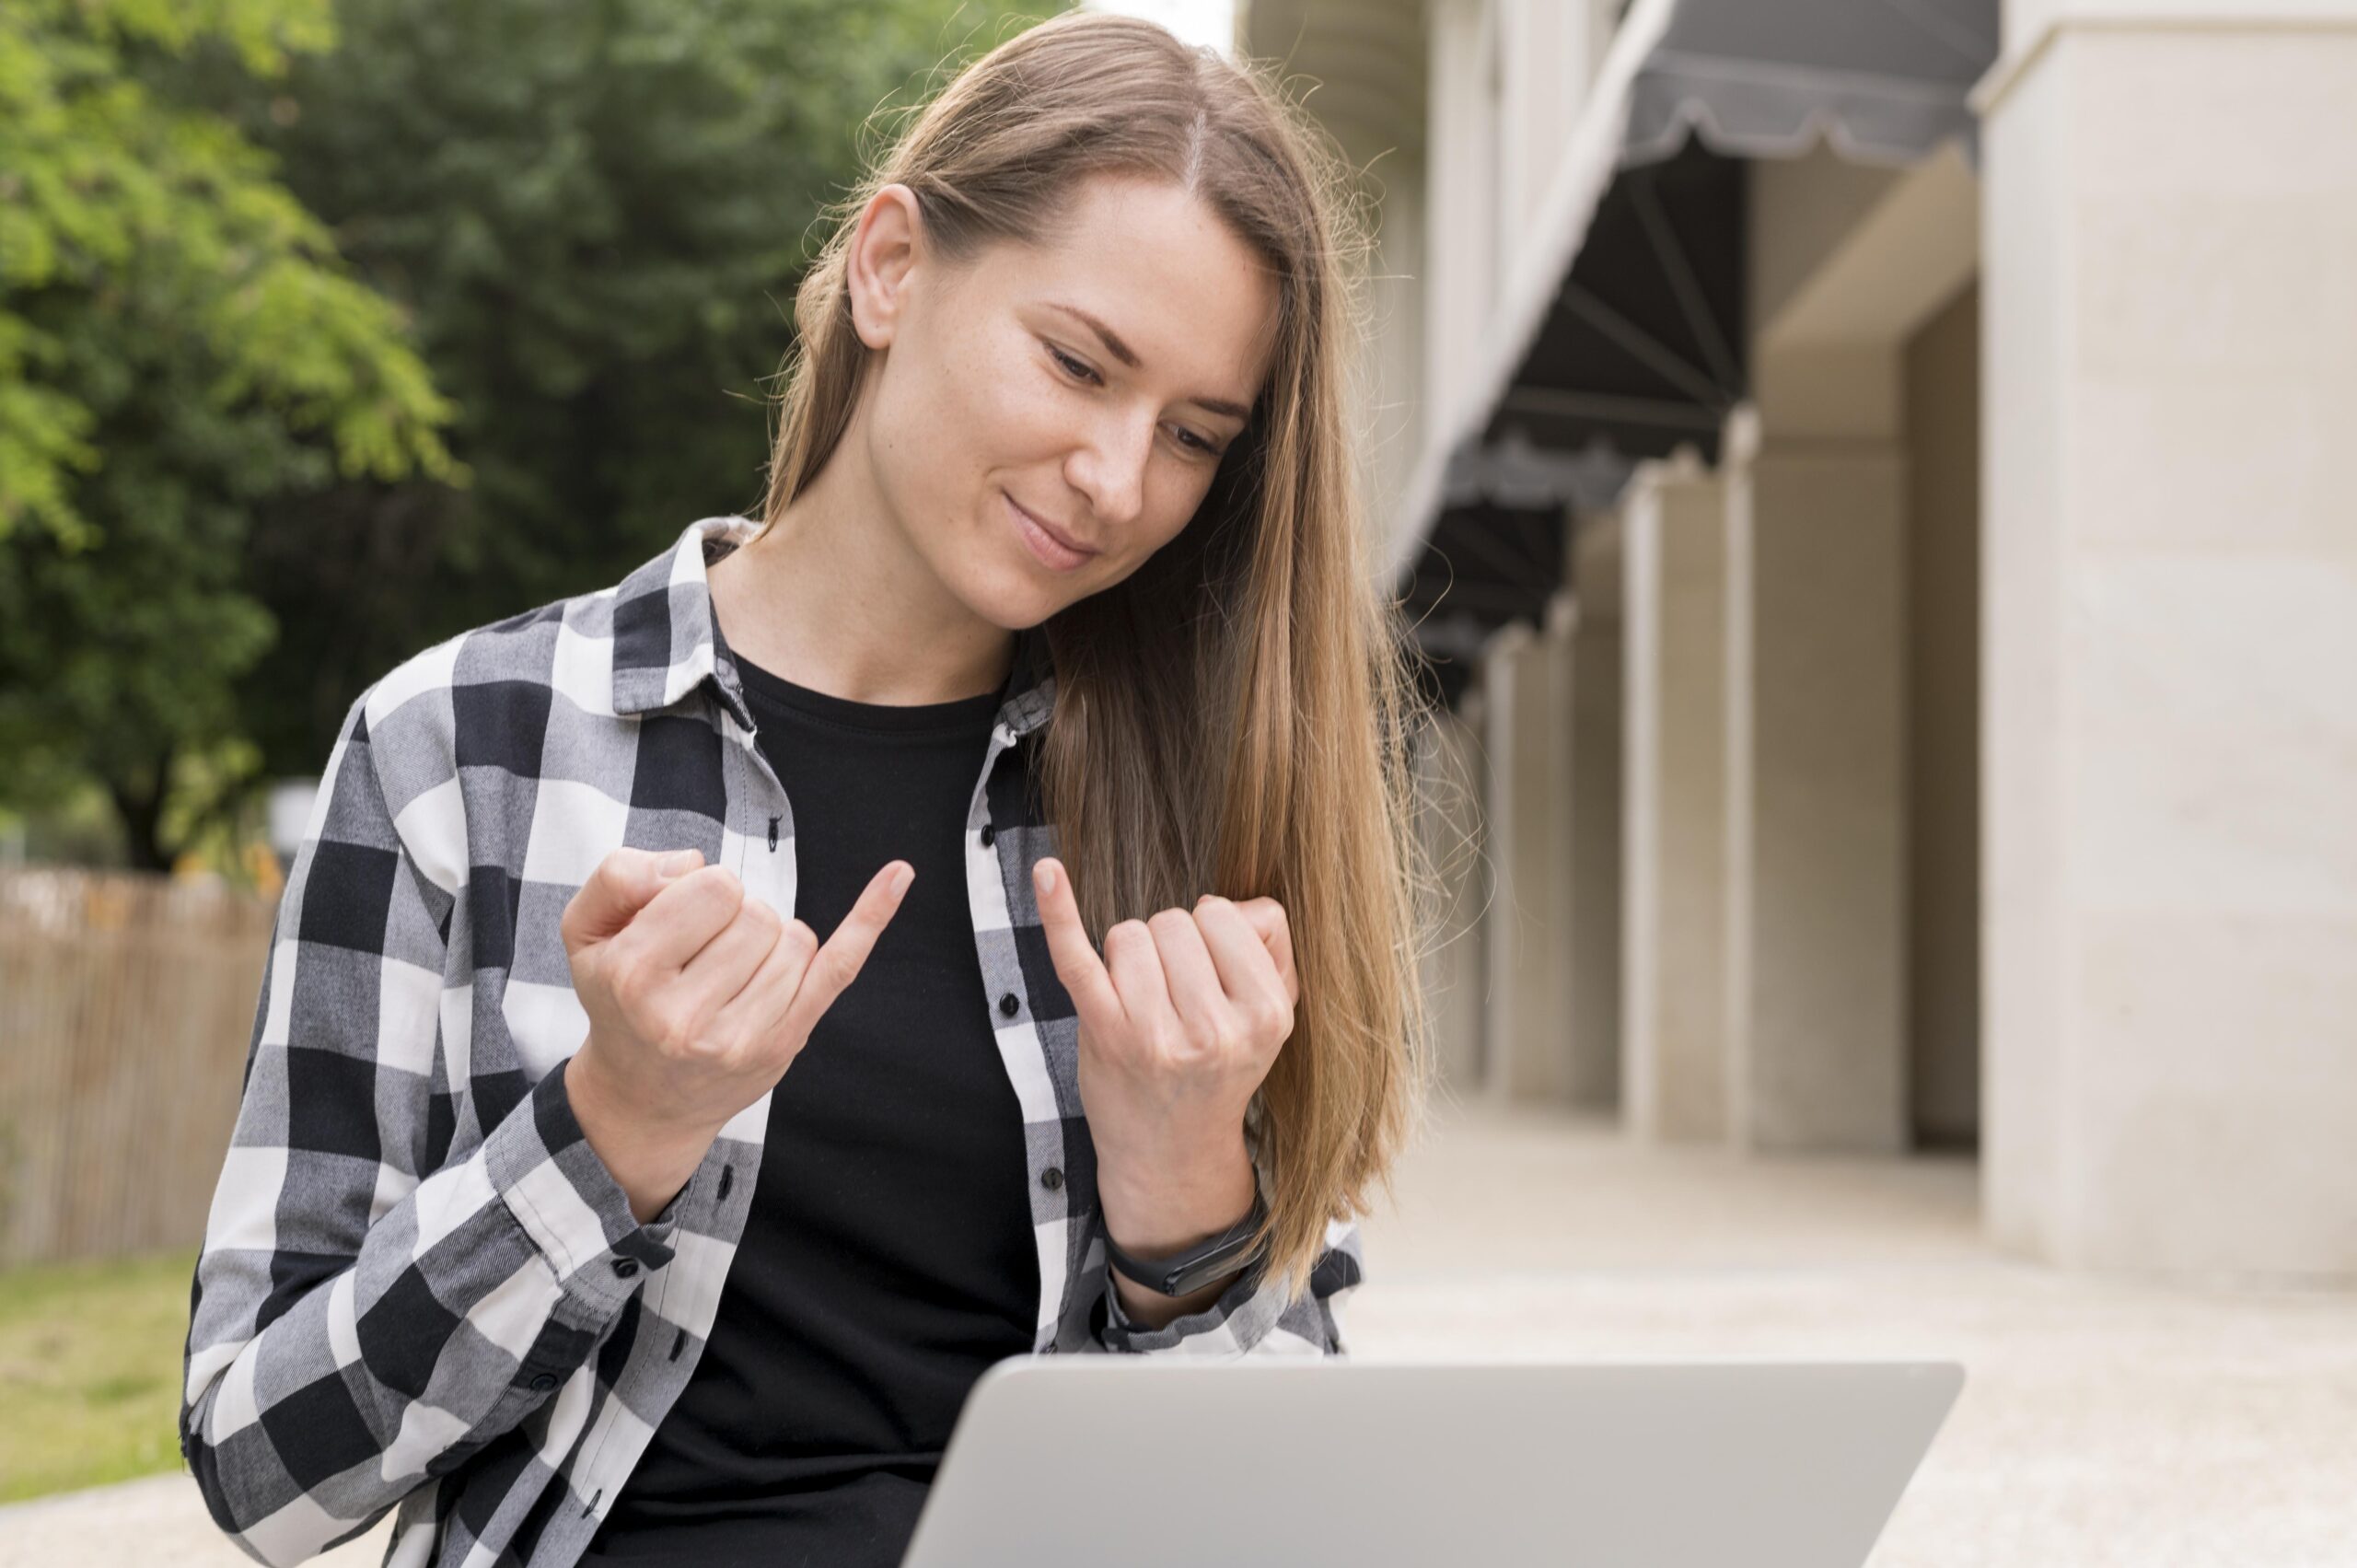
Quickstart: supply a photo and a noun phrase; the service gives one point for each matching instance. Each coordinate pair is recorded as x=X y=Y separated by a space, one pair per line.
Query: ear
x=883 y=252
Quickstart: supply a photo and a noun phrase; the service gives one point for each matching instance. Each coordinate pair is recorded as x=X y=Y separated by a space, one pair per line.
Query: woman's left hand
x=1179 y=1023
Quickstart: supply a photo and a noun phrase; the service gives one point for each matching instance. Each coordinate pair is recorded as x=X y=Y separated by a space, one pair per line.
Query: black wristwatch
x=1182 y=1273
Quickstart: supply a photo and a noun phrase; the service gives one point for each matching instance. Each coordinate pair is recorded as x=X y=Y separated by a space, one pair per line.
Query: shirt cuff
x=540 y=1163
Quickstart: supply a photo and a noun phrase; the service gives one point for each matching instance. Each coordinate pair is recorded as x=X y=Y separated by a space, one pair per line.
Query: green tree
x=599 y=214
x=179 y=343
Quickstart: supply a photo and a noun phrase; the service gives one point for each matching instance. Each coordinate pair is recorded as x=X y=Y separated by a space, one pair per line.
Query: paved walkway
x=2105 y=1419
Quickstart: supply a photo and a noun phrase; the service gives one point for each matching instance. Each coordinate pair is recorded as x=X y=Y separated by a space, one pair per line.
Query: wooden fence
x=126 y=1004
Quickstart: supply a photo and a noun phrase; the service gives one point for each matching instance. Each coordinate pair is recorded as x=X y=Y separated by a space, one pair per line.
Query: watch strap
x=1182 y=1273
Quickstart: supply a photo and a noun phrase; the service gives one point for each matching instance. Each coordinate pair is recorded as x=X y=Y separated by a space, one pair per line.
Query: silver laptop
x=1157 y=1462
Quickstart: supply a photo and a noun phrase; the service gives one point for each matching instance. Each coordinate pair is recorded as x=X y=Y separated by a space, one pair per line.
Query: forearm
x=1161 y=1207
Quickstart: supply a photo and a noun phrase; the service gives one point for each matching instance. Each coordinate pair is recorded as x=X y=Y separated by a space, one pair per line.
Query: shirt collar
x=667 y=643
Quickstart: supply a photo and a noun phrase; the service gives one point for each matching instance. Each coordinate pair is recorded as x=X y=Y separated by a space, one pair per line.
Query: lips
x=1052 y=545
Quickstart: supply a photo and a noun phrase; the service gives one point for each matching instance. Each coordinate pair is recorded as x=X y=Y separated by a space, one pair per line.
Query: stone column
x=1816 y=802
x=1528 y=939
x=2170 y=692
x=1674 y=995
x=1596 y=716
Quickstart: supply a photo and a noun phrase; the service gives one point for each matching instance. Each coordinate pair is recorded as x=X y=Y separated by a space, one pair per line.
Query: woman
x=1054 y=635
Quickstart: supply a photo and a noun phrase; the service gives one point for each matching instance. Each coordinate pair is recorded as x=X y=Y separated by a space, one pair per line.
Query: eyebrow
x=1121 y=351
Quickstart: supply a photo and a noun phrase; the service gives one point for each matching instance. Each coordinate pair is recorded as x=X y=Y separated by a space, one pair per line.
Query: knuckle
x=630 y=979
x=714 y=884
x=1171 y=921
x=1164 y=1043
x=736 y=1050
x=672 y=1036
x=832 y=972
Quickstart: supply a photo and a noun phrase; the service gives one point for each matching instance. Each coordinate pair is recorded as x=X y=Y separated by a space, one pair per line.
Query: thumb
x=623 y=883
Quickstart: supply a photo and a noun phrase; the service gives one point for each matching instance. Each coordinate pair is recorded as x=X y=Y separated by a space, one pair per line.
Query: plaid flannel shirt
x=419 y=1288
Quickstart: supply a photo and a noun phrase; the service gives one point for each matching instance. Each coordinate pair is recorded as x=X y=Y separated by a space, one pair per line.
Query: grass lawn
x=91 y=1371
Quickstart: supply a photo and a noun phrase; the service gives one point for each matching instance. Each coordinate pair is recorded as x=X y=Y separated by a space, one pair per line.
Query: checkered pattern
x=419 y=1288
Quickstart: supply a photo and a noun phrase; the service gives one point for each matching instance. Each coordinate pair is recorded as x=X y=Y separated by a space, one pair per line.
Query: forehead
x=1179 y=287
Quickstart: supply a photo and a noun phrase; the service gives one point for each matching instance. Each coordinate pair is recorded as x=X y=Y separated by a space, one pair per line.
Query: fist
x=699 y=996
x=1179 y=1021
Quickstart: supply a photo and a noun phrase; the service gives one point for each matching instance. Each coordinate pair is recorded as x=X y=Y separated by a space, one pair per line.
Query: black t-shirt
x=888 y=1259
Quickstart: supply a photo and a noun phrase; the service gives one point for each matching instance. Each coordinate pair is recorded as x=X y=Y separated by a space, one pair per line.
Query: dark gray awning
x=1883 y=81
x=1633 y=343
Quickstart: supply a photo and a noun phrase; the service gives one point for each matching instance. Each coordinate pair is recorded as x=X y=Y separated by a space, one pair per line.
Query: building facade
x=1864 y=474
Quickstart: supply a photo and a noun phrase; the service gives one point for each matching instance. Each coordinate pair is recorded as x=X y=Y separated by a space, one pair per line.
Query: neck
x=833 y=597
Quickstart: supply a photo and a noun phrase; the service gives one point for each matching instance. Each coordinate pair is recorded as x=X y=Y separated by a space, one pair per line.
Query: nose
x=1109 y=468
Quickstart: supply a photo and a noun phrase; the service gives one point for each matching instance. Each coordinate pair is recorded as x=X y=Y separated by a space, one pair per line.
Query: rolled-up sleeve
x=1254 y=1315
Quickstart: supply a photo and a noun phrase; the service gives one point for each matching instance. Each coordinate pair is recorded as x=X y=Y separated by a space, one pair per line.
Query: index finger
x=837 y=962
x=1076 y=958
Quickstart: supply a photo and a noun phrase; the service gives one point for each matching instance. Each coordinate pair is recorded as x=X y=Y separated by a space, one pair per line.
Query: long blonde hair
x=1235 y=715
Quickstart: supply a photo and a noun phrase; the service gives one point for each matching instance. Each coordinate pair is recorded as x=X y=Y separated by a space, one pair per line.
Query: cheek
x=1031 y=419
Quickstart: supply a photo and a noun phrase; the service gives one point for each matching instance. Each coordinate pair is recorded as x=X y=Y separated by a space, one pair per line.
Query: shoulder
x=487 y=695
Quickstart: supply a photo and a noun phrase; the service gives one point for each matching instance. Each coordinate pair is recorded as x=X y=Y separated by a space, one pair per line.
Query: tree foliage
x=177 y=339
x=598 y=213
x=329 y=328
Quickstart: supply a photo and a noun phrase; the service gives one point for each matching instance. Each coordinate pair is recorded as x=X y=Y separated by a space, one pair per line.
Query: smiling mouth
x=1045 y=543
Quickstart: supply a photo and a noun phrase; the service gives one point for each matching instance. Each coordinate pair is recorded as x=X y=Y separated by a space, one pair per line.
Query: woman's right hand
x=700 y=997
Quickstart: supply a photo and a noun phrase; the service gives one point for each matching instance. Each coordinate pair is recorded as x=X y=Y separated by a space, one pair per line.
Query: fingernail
x=901 y=879
x=678 y=863
x=1047 y=878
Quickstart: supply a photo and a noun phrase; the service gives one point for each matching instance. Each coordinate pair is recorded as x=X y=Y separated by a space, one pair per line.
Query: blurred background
x=1861 y=473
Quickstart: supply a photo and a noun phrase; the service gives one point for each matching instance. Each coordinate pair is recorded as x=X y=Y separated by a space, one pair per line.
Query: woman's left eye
x=1074 y=368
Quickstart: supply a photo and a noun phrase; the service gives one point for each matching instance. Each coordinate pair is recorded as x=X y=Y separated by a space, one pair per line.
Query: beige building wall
x=1464 y=266
x=2171 y=718
x=1848 y=264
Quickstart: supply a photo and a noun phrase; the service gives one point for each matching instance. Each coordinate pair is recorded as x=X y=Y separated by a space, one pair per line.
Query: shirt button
x=1010 y=1004
x=543 y=1383
x=625 y=1267
x=1052 y=1178
x=990 y=835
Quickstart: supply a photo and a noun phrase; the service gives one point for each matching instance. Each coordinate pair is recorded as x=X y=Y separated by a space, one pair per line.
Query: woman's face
x=1092 y=383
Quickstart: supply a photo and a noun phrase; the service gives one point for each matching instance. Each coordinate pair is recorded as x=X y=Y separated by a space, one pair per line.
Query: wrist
x=1156 y=1208
x=649 y=1162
